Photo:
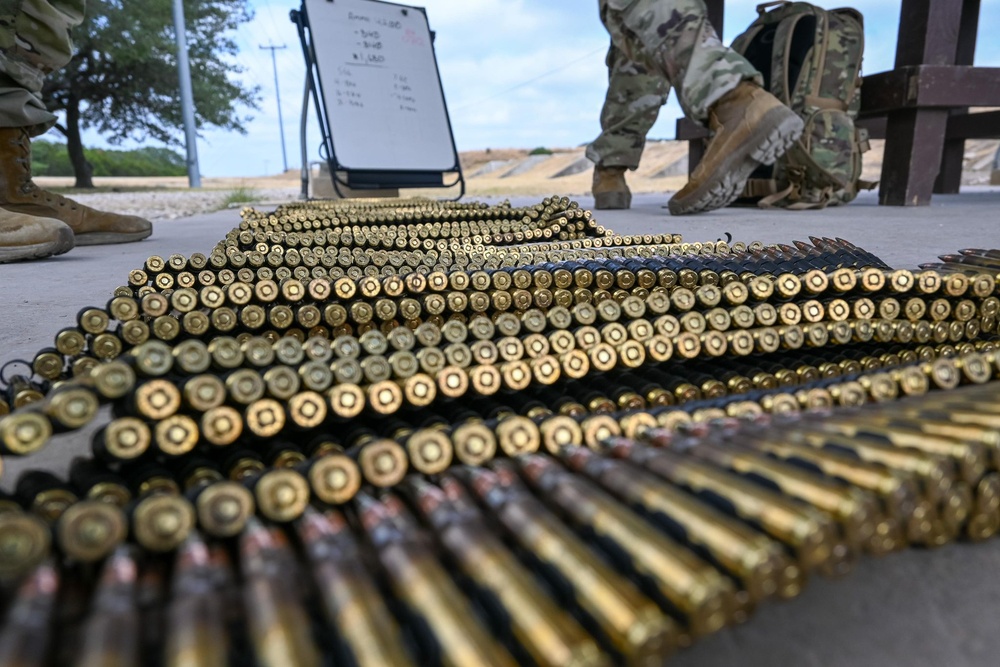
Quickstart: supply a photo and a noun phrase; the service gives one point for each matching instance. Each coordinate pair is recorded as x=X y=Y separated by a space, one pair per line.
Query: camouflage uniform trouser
x=656 y=44
x=34 y=41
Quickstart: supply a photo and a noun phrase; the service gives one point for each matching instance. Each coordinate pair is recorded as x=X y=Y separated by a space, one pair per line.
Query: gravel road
x=172 y=204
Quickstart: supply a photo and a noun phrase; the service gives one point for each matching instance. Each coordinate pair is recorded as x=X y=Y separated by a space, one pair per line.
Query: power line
x=532 y=80
x=244 y=37
x=277 y=93
x=257 y=29
x=274 y=23
x=271 y=24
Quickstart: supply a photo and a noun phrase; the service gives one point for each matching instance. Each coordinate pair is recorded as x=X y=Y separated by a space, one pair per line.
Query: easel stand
x=372 y=75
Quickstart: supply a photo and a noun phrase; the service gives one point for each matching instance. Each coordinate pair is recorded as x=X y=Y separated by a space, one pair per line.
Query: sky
x=516 y=74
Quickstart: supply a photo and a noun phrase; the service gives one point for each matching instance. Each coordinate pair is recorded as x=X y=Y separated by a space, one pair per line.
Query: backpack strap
x=819 y=52
x=827 y=197
x=791 y=193
x=781 y=86
x=764 y=6
x=743 y=40
x=824 y=103
x=861 y=135
x=780 y=195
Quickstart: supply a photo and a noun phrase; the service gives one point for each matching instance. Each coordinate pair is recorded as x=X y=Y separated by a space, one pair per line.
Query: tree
x=52 y=159
x=123 y=80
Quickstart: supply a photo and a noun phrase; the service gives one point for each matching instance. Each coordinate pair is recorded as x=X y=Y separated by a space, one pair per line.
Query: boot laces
x=28 y=186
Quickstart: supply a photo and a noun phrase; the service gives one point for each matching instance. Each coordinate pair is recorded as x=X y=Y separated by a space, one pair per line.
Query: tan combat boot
x=18 y=193
x=609 y=189
x=749 y=127
x=27 y=237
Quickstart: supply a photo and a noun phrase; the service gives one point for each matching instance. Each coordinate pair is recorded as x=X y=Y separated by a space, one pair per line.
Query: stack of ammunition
x=413 y=432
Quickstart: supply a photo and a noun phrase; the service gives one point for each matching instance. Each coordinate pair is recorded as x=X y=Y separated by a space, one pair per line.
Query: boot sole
x=612 y=200
x=63 y=244
x=764 y=148
x=110 y=238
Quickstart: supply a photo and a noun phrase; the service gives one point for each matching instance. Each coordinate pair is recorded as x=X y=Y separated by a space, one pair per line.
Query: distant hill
x=509 y=171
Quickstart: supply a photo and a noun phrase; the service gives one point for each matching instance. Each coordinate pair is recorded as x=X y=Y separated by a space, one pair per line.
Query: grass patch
x=240 y=195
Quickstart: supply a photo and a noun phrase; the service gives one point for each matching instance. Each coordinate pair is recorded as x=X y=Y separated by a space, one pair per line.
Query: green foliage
x=541 y=150
x=52 y=159
x=123 y=80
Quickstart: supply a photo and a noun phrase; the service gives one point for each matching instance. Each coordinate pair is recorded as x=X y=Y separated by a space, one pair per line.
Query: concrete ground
x=917 y=608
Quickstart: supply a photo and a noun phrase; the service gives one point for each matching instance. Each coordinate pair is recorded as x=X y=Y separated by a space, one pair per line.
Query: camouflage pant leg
x=34 y=41
x=676 y=37
x=633 y=101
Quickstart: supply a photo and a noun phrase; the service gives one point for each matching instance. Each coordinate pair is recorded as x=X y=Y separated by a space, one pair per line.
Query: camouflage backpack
x=811 y=60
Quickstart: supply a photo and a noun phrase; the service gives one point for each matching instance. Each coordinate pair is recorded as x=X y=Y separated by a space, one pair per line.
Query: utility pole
x=277 y=94
x=187 y=96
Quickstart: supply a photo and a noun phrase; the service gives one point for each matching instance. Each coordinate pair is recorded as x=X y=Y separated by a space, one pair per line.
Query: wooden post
x=696 y=151
x=716 y=9
x=928 y=34
x=949 y=178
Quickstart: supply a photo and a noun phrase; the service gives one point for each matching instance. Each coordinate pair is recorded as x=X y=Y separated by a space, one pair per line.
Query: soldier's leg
x=676 y=37
x=630 y=108
x=716 y=86
x=35 y=41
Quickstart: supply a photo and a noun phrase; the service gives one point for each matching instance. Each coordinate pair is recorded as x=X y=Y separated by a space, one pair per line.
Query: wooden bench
x=921 y=107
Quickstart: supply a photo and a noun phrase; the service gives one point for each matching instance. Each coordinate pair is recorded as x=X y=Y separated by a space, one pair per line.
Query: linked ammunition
x=89 y=530
x=856 y=511
x=758 y=563
x=44 y=494
x=222 y=507
x=631 y=623
x=90 y=479
x=333 y=476
x=430 y=332
x=899 y=491
x=517 y=436
x=277 y=622
x=353 y=605
x=24 y=637
x=424 y=587
x=24 y=543
x=383 y=462
x=196 y=629
x=123 y=439
x=474 y=442
x=811 y=534
x=971 y=459
x=111 y=633
x=682 y=581
x=281 y=494
x=935 y=471
x=545 y=632
x=71 y=408
x=24 y=432
x=161 y=520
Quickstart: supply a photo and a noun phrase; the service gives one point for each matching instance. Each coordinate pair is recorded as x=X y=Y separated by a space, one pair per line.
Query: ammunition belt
x=666 y=433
